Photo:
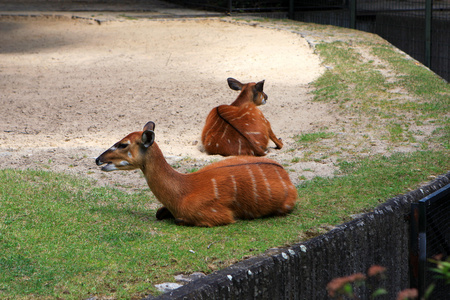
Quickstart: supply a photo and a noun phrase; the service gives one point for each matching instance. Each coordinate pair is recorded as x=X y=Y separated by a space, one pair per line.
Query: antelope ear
x=148 y=137
x=149 y=126
x=260 y=86
x=234 y=84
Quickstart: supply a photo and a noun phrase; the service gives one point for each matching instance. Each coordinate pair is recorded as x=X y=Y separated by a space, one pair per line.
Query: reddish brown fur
x=242 y=187
x=239 y=128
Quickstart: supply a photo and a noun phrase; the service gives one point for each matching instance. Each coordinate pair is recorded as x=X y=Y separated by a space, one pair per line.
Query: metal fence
x=302 y=271
x=418 y=27
x=430 y=237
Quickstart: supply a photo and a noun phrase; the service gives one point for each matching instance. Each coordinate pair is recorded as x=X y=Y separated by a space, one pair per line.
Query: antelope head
x=256 y=89
x=128 y=153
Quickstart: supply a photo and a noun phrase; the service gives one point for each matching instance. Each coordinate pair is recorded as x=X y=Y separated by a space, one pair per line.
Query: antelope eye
x=122 y=146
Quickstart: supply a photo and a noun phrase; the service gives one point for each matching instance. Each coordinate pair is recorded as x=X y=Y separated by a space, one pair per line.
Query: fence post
x=230 y=6
x=428 y=19
x=422 y=247
x=353 y=14
x=291 y=10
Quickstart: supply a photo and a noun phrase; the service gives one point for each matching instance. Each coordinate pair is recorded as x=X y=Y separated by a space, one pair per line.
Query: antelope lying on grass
x=235 y=188
x=239 y=128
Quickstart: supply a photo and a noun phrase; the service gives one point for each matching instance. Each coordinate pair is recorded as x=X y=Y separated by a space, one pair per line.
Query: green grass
x=62 y=236
x=313 y=137
x=359 y=88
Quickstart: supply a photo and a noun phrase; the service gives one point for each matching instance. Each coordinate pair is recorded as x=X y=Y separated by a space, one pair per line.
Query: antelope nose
x=98 y=162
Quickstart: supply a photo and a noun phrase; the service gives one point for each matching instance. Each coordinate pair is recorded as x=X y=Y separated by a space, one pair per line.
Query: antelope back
x=239 y=128
x=231 y=130
x=238 y=188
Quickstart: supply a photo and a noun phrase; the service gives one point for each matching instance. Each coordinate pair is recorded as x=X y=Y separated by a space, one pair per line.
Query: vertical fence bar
x=428 y=20
x=422 y=248
x=230 y=6
x=414 y=246
x=353 y=14
x=291 y=10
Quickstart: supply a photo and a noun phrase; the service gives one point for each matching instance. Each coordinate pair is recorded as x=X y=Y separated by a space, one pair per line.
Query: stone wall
x=302 y=271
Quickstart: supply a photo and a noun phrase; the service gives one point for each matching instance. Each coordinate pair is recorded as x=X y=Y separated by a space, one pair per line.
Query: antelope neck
x=165 y=182
x=244 y=96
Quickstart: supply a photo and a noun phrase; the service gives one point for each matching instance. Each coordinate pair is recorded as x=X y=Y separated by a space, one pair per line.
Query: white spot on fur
x=129 y=154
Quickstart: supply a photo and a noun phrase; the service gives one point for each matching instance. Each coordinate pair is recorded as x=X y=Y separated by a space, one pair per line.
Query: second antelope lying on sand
x=235 y=188
x=239 y=128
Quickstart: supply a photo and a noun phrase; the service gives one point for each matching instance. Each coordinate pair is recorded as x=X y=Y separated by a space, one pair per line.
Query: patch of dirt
x=71 y=88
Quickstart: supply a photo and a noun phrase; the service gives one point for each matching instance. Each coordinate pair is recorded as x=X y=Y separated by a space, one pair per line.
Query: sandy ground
x=69 y=89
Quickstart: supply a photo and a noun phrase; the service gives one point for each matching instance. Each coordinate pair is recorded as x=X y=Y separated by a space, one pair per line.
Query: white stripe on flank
x=212 y=126
x=235 y=190
x=239 y=150
x=224 y=131
x=254 y=185
x=216 y=190
x=228 y=112
x=240 y=117
x=257 y=142
x=266 y=182
x=286 y=192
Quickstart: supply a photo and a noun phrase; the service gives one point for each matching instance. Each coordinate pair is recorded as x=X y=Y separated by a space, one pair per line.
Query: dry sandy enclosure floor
x=70 y=88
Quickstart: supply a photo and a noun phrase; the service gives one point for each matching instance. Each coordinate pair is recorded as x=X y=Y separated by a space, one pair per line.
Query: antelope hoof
x=163 y=213
x=280 y=145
